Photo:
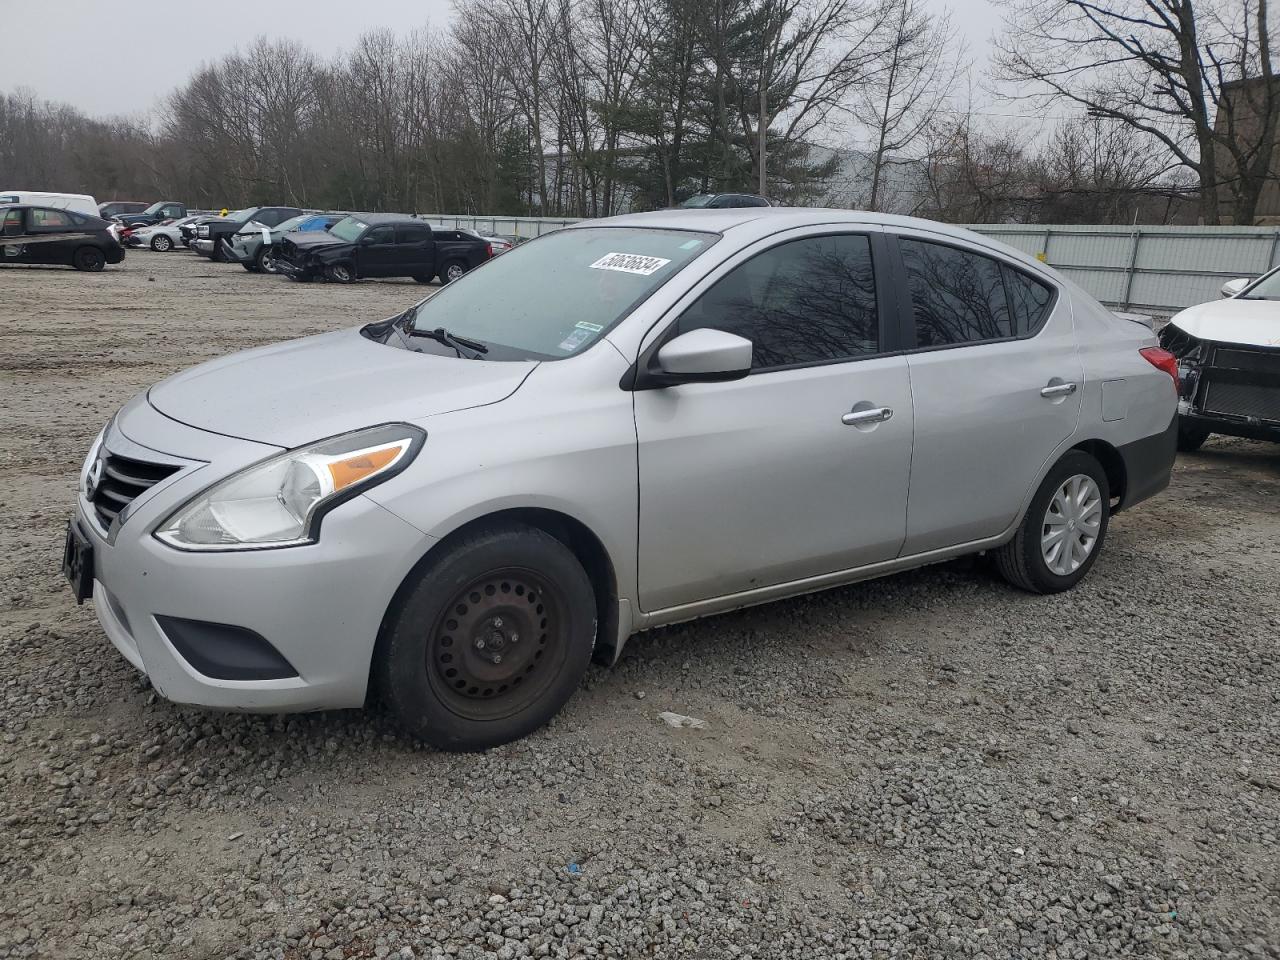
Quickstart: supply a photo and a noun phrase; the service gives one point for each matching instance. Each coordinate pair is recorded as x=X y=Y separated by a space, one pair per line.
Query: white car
x=163 y=237
x=1229 y=358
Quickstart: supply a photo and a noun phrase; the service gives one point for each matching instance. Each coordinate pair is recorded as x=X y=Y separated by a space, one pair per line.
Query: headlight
x=89 y=464
x=279 y=502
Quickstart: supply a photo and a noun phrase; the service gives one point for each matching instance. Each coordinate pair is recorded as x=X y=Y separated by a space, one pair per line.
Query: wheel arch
x=586 y=546
x=1112 y=465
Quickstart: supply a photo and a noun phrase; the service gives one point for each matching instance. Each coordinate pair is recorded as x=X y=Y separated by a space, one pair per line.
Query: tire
x=89 y=259
x=161 y=243
x=340 y=273
x=451 y=271
x=1191 y=436
x=1024 y=562
x=435 y=668
x=251 y=267
x=422 y=278
x=265 y=260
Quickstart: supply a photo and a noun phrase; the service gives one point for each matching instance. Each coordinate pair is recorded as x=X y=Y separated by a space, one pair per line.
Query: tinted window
x=41 y=217
x=956 y=296
x=806 y=301
x=380 y=235
x=1031 y=301
x=13 y=222
x=411 y=233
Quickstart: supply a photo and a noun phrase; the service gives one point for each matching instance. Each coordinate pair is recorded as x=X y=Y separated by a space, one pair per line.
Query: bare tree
x=1196 y=78
x=901 y=102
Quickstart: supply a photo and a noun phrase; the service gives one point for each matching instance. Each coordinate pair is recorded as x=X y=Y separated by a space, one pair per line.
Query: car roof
x=751 y=223
x=378 y=218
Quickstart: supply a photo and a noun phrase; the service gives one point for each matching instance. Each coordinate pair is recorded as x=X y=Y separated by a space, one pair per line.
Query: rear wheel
x=1191 y=436
x=89 y=259
x=1063 y=530
x=161 y=243
x=452 y=270
x=424 y=278
x=490 y=641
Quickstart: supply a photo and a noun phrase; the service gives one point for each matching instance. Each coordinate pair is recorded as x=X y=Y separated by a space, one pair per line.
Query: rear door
x=996 y=380
x=52 y=237
x=415 y=251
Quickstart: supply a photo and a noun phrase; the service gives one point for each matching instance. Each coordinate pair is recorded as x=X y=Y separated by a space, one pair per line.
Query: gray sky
x=129 y=53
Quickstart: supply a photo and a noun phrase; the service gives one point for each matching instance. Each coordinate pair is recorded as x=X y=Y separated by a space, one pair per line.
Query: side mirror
x=1232 y=287
x=703 y=356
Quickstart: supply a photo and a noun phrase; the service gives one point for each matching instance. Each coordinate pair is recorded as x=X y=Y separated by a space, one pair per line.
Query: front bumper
x=295 y=272
x=318 y=606
x=203 y=247
x=1233 y=389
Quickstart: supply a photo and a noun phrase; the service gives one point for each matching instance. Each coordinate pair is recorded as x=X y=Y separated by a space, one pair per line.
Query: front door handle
x=858 y=418
x=1058 y=390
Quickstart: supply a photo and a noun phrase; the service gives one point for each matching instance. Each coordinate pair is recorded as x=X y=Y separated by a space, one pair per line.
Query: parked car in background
x=162 y=237
x=156 y=213
x=1229 y=359
x=622 y=424
x=209 y=235
x=188 y=229
x=381 y=245
x=255 y=249
x=722 y=201
x=116 y=208
x=34 y=234
x=79 y=202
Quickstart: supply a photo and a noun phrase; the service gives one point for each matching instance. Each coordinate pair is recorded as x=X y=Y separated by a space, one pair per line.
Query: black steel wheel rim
x=498 y=644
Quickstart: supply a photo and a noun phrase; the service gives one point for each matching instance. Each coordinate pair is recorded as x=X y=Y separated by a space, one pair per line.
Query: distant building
x=1248 y=100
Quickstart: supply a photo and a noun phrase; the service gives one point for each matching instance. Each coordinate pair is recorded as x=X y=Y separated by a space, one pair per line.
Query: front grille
x=1243 y=383
x=123 y=480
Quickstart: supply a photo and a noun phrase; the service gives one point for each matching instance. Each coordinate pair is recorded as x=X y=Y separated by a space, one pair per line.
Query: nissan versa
x=622 y=424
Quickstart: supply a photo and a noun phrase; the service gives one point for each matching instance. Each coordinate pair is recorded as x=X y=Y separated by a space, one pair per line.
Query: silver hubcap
x=162 y=243
x=269 y=264
x=1071 y=524
x=453 y=273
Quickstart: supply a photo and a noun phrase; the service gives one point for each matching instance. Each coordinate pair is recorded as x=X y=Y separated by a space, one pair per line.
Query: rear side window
x=1030 y=300
x=411 y=233
x=41 y=217
x=956 y=296
x=806 y=301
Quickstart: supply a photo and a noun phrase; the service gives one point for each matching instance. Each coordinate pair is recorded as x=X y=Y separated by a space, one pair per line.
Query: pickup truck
x=381 y=245
x=156 y=213
x=209 y=236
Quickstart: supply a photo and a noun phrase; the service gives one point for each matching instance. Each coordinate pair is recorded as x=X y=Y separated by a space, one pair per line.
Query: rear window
x=555 y=296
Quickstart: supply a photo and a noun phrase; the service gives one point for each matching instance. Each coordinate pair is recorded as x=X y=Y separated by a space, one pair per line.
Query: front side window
x=49 y=219
x=805 y=301
x=349 y=229
x=555 y=296
x=380 y=235
x=956 y=296
x=1266 y=287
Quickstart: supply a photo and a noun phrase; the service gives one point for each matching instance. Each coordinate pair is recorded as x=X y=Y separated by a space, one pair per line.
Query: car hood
x=1249 y=322
x=313 y=240
x=294 y=393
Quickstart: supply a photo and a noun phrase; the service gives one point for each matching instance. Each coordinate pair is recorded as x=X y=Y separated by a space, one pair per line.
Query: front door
x=377 y=252
x=996 y=379
x=801 y=468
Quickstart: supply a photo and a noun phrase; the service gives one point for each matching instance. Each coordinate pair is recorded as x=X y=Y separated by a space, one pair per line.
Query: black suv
x=209 y=236
x=46 y=235
x=381 y=245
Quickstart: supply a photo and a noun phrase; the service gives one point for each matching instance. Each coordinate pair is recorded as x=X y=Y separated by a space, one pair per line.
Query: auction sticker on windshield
x=630 y=263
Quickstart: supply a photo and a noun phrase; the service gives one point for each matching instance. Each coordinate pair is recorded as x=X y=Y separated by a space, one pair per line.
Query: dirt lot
x=931 y=765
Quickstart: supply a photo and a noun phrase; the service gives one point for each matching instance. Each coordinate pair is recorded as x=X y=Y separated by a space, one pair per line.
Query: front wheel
x=265 y=261
x=161 y=243
x=490 y=640
x=89 y=259
x=340 y=273
x=1062 y=533
x=1190 y=435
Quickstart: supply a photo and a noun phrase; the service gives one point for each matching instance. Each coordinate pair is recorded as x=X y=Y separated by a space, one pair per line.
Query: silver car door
x=996 y=378
x=799 y=469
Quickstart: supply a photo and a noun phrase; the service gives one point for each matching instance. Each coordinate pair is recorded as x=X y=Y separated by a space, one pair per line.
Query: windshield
x=292 y=223
x=555 y=296
x=154 y=208
x=701 y=200
x=349 y=229
x=1267 y=288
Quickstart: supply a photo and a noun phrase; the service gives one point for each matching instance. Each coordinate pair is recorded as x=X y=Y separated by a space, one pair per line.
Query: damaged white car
x=1229 y=359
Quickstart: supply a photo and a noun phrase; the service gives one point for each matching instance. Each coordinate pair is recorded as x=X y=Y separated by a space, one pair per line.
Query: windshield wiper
x=441 y=335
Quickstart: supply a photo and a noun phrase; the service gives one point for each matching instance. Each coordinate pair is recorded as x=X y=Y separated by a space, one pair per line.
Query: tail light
x=1162 y=359
x=488 y=249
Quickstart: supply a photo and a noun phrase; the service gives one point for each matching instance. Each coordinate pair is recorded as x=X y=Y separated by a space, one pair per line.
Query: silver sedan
x=623 y=424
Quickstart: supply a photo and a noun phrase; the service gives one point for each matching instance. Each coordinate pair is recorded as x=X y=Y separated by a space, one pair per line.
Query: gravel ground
x=930 y=765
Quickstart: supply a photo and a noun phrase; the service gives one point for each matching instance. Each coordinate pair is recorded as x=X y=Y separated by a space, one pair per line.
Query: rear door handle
x=859 y=417
x=1058 y=390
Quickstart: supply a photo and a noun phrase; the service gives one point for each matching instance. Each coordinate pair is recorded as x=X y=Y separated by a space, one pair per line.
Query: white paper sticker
x=630 y=263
